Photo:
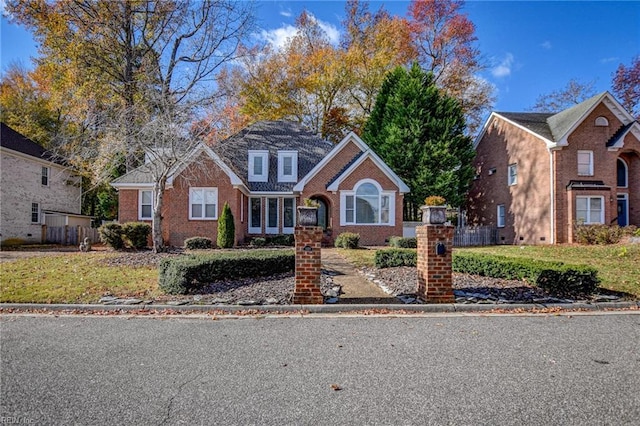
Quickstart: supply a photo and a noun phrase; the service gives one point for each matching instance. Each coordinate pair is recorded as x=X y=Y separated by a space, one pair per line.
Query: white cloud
x=503 y=69
x=286 y=13
x=546 y=45
x=278 y=37
x=610 y=59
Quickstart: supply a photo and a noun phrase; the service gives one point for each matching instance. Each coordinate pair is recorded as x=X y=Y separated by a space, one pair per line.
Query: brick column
x=434 y=271
x=308 y=265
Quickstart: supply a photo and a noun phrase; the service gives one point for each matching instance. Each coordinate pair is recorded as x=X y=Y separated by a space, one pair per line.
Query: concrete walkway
x=355 y=288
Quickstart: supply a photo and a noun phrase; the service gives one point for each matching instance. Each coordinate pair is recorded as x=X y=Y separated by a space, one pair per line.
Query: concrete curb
x=326 y=309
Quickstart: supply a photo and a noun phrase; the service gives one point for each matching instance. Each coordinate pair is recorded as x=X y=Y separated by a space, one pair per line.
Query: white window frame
x=252 y=229
x=140 y=216
x=501 y=214
x=512 y=174
x=381 y=194
x=45 y=175
x=588 y=211
x=258 y=155
x=293 y=177
x=286 y=229
x=581 y=165
x=35 y=208
x=204 y=190
x=270 y=229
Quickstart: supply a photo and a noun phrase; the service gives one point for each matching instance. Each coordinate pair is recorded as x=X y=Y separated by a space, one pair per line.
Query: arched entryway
x=628 y=188
x=324 y=216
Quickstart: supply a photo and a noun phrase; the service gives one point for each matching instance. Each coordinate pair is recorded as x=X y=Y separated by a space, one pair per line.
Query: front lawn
x=73 y=278
x=618 y=265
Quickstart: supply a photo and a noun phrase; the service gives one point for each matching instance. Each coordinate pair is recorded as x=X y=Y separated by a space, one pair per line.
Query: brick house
x=538 y=175
x=36 y=188
x=264 y=172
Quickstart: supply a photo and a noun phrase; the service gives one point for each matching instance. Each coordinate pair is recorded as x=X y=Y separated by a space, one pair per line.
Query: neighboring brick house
x=36 y=188
x=264 y=172
x=539 y=175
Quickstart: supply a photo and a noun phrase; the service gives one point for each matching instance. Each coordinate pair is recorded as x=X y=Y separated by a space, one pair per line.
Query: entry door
x=623 y=219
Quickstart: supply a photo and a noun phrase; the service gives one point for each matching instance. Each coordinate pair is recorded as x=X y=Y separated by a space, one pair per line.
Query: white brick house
x=35 y=189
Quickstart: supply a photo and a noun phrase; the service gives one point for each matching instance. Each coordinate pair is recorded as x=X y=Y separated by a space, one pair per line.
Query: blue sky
x=531 y=47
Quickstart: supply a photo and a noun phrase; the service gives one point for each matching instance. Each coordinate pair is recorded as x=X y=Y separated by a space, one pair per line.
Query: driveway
x=502 y=370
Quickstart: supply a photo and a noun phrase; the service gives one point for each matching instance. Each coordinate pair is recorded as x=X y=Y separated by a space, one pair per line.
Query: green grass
x=618 y=265
x=73 y=278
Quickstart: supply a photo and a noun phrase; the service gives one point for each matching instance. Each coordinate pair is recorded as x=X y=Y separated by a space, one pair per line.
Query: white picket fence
x=69 y=235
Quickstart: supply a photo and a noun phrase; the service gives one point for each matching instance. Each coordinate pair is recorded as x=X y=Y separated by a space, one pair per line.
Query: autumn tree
x=419 y=131
x=572 y=94
x=626 y=86
x=444 y=40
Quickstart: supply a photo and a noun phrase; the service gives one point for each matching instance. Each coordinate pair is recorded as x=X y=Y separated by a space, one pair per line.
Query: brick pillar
x=308 y=265
x=434 y=271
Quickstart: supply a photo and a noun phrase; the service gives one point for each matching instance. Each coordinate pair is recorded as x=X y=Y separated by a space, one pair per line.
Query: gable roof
x=554 y=129
x=272 y=136
x=11 y=139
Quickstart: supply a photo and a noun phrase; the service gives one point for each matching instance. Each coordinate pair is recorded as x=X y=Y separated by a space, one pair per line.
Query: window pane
x=288 y=213
x=581 y=203
x=210 y=197
x=287 y=166
x=366 y=209
x=349 y=202
x=146 y=197
x=595 y=203
x=145 y=211
x=256 y=210
x=35 y=210
x=45 y=176
x=196 y=210
x=384 y=214
x=257 y=165
x=210 y=210
x=273 y=212
x=367 y=189
x=622 y=174
x=196 y=196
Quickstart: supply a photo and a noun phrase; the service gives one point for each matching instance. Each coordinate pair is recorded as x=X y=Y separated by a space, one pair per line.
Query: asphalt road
x=461 y=370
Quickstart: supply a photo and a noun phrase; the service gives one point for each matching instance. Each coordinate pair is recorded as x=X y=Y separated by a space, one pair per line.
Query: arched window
x=367 y=204
x=602 y=122
x=622 y=173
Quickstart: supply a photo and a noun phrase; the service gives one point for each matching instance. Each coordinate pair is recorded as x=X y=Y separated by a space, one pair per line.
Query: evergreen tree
x=226 y=228
x=420 y=133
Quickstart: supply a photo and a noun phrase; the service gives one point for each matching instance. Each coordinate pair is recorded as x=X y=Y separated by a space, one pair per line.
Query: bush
x=389 y=258
x=112 y=235
x=136 y=234
x=180 y=275
x=226 y=228
x=258 y=242
x=281 y=240
x=553 y=277
x=198 y=243
x=348 y=240
x=598 y=234
x=401 y=242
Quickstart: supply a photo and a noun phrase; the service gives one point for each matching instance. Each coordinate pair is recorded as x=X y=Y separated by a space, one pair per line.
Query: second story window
x=45 y=176
x=258 y=166
x=513 y=174
x=287 y=166
x=585 y=163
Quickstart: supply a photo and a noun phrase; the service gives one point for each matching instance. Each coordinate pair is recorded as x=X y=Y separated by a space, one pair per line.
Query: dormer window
x=287 y=166
x=602 y=122
x=258 y=166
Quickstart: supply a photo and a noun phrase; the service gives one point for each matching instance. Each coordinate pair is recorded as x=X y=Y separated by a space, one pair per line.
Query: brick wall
x=434 y=271
x=308 y=265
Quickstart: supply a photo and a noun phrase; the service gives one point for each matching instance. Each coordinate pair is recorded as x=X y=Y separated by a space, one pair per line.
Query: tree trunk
x=156 y=224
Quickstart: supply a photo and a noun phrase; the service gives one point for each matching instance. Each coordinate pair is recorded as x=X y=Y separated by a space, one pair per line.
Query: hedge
x=136 y=234
x=198 y=243
x=403 y=242
x=180 y=275
x=348 y=240
x=112 y=235
x=553 y=277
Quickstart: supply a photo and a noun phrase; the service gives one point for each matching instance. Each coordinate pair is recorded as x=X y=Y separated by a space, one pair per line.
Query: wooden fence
x=475 y=236
x=69 y=235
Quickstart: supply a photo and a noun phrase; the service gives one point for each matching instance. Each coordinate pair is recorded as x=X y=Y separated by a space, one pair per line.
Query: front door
x=623 y=219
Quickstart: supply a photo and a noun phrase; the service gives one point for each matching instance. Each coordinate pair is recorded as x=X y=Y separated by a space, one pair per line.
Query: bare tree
x=572 y=94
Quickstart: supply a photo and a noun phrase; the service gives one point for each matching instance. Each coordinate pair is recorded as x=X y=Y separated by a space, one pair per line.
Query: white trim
x=590 y=164
x=367 y=153
x=140 y=192
x=253 y=155
x=270 y=229
x=588 y=198
x=254 y=230
x=634 y=128
x=36 y=159
x=204 y=190
x=381 y=193
x=601 y=121
x=288 y=229
x=504 y=216
x=552 y=187
x=626 y=173
x=133 y=185
x=293 y=177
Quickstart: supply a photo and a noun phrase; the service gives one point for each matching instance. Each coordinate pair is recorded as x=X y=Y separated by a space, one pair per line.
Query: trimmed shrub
x=568 y=280
x=136 y=234
x=598 y=234
x=226 y=228
x=402 y=242
x=281 y=240
x=180 y=275
x=348 y=240
x=389 y=258
x=112 y=235
x=198 y=243
x=258 y=242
